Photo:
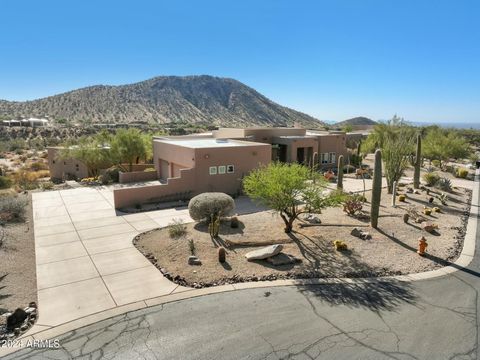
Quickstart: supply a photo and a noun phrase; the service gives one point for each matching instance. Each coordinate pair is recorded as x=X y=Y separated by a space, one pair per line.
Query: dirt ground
x=390 y=251
x=18 y=282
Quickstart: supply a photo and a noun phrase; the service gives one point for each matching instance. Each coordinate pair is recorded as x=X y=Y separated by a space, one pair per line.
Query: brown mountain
x=191 y=99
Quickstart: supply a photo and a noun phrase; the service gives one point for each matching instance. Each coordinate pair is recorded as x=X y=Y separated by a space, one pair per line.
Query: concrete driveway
x=86 y=262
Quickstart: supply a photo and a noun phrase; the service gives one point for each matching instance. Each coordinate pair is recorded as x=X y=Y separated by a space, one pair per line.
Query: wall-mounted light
x=206 y=156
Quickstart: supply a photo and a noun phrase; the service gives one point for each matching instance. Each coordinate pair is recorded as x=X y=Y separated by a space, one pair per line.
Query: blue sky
x=331 y=59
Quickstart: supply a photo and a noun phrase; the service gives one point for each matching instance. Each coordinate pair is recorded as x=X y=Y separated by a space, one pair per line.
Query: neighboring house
x=65 y=169
x=30 y=122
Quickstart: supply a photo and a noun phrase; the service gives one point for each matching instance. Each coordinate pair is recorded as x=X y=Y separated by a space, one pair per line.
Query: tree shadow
x=373 y=295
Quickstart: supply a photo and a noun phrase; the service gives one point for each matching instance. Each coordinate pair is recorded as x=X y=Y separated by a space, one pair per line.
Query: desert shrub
x=461 y=173
x=352 y=205
x=48 y=185
x=444 y=184
x=176 y=228
x=149 y=170
x=12 y=208
x=5 y=182
x=26 y=180
x=436 y=163
x=431 y=178
x=111 y=174
x=38 y=165
x=206 y=205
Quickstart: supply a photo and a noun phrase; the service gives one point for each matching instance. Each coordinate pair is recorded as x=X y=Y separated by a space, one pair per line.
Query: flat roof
x=207 y=143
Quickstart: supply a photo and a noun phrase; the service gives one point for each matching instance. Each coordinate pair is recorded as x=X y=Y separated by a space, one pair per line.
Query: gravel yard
x=391 y=249
x=18 y=283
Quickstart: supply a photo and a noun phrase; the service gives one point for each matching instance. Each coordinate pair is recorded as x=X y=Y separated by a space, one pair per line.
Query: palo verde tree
x=128 y=146
x=289 y=189
x=442 y=144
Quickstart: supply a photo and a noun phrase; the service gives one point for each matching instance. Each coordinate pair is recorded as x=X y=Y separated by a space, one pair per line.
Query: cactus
x=376 y=189
x=359 y=147
x=221 y=254
x=214 y=226
x=340 y=173
x=406 y=217
x=418 y=159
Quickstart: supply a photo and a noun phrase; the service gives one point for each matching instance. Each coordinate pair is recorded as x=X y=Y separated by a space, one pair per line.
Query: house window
x=332 y=158
x=213 y=170
x=324 y=158
x=230 y=169
x=221 y=169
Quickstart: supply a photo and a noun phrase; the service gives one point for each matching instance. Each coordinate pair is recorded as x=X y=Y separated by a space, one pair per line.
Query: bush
x=38 y=165
x=48 y=185
x=461 y=173
x=12 y=208
x=436 y=163
x=149 y=170
x=206 y=205
x=431 y=178
x=176 y=228
x=5 y=182
x=352 y=205
x=444 y=184
x=111 y=174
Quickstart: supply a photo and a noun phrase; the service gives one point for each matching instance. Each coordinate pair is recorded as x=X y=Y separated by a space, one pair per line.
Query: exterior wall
x=263 y=135
x=173 y=189
x=136 y=176
x=170 y=158
x=332 y=143
x=244 y=159
x=294 y=144
x=61 y=169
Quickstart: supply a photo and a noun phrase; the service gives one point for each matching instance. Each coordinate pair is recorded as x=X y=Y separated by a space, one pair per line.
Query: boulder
x=282 y=259
x=264 y=253
x=429 y=227
x=360 y=234
x=193 y=260
x=312 y=219
x=16 y=319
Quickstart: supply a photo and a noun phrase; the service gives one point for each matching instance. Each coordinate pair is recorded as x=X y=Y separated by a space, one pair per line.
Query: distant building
x=30 y=122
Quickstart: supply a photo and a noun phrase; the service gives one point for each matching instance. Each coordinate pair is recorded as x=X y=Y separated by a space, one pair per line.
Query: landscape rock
x=312 y=219
x=193 y=260
x=16 y=319
x=283 y=259
x=264 y=253
x=360 y=234
x=428 y=226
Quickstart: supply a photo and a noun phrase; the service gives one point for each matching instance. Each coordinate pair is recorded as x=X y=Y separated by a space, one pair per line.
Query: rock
x=33 y=304
x=416 y=192
x=312 y=219
x=16 y=319
x=24 y=327
x=282 y=259
x=428 y=226
x=29 y=310
x=7 y=314
x=264 y=253
x=193 y=260
x=409 y=190
x=360 y=234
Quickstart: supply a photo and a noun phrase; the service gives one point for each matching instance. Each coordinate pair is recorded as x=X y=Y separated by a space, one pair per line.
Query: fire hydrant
x=422 y=246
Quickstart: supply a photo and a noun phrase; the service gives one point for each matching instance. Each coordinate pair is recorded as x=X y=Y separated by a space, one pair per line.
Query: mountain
x=190 y=99
x=356 y=121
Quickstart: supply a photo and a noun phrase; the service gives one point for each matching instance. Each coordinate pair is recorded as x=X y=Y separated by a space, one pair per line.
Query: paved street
x=427 y=319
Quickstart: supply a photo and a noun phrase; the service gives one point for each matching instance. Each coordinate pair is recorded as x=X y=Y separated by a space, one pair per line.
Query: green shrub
x=436 y=163
x=444 y=184
x=461 y=173
x=149 y=170
x=431 y=178
x=206 y=205
x=48 y=185
x=5 y=182
x=352 y=204
x=38 y=165
x=12 y=208
x=111 y=175
x=176 y=228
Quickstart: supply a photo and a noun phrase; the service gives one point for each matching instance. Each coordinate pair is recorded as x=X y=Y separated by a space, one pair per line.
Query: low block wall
x=182 y=187
x=136 y=176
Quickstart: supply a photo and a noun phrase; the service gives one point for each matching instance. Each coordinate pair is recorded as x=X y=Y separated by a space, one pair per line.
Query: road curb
x=38 y=331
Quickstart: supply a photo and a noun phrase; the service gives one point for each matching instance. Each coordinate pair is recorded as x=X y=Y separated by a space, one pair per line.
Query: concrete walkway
x=86 y=262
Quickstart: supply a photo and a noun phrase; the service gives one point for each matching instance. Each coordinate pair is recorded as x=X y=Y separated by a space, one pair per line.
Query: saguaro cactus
x=340 y=173
x=376 y=189
x=418 y=159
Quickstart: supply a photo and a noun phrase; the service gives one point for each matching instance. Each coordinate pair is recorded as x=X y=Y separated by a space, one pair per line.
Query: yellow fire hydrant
x=422 y=246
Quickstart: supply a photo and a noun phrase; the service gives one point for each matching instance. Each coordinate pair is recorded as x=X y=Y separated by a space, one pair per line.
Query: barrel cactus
x=418 y=159
x=221 y=254
x=376 y=189
x=340 y=173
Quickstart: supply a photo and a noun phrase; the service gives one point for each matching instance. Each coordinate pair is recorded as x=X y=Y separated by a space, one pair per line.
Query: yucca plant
x=444 y=184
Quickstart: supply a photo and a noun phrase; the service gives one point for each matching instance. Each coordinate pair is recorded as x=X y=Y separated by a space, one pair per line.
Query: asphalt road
x=431 y=319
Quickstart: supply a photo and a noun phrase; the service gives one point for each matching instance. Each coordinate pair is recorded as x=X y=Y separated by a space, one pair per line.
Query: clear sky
x=331 y=59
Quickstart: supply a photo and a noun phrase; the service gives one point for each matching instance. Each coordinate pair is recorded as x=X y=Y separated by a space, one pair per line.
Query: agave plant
x=444 y=184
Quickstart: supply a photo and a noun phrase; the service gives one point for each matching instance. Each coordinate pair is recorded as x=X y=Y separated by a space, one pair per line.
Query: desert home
x=217 y=161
